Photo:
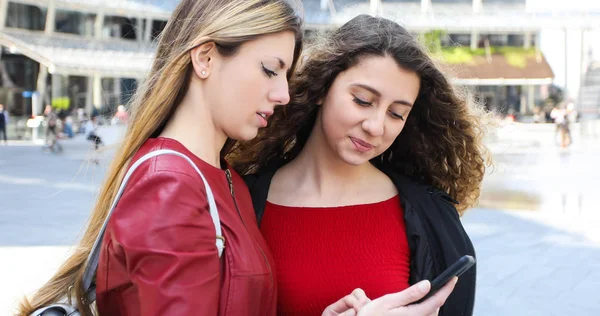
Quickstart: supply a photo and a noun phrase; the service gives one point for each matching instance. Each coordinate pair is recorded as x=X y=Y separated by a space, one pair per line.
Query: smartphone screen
x=457 y=269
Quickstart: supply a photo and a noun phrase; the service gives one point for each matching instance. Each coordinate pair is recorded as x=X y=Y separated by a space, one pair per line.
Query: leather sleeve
x=163 y=230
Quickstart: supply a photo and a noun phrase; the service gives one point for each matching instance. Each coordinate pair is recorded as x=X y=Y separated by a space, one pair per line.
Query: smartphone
x=457 y=269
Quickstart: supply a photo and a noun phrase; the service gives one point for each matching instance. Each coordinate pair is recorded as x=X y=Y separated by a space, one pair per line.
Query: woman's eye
x=270 y=73
x=396 y=116
x=362 y=102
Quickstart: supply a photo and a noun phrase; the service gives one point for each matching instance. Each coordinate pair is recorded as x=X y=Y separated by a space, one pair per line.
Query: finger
x=341 y=306
x=361 y=297
x=412 y=294
x=430 y=305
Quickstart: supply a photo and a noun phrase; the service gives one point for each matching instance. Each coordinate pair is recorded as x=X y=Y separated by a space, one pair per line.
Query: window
x=457 y=40
x=120 y=27
x=494 y=40
x=516 y=40
x=157 y=28
x=25 y=17
x=74 y=22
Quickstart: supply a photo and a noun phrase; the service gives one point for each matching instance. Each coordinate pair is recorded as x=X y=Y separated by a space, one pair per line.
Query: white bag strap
x=93 y=258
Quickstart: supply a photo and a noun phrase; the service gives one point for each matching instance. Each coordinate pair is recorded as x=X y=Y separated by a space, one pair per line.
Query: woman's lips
x=361 y=145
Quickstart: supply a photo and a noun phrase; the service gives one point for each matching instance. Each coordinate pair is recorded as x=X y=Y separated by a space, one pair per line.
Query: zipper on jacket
x=232 y=191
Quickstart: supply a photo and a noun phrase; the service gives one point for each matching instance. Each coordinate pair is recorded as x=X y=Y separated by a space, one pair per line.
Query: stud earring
x=203 y=73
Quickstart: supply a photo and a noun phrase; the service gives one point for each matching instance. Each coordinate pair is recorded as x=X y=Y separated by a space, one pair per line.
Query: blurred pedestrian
x=52 y=133
x=68 y=126
x=538 y=115
x=3 y=123
x=560 y=116
x=120 y=116
x=91 y=127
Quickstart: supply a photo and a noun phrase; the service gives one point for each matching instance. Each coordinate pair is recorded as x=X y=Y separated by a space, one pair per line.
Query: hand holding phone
x=403 y=303
x=400 y=303
x=457 y=269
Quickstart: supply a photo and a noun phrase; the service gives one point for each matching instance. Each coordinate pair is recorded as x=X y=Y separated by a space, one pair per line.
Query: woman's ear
x=203 y=59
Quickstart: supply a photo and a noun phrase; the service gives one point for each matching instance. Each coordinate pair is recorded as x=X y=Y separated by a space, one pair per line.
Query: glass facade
x=121 y=27
x=25 y=16
x=157 y=27
x=73 y=22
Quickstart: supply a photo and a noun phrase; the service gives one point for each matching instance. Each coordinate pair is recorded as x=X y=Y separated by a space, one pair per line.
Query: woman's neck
x=318 y=168
x=192 y=126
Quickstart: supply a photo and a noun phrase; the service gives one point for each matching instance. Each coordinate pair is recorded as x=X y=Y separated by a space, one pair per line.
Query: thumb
x=410 y=295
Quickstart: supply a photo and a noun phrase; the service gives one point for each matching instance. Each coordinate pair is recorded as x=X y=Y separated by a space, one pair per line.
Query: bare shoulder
x=378 y=185
x=283 y=184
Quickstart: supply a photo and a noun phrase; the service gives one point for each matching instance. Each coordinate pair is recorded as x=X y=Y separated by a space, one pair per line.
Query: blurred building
x=590 y=90
x=79 y=53
x=93 y=53
x=493 y=47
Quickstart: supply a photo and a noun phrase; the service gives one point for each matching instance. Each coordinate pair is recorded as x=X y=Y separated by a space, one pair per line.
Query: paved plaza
x=536 y=230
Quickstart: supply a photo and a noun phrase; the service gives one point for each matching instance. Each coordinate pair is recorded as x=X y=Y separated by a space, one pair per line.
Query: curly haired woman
x=360 y=181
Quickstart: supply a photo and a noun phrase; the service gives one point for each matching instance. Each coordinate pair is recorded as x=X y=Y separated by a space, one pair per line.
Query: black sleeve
x=452 y=242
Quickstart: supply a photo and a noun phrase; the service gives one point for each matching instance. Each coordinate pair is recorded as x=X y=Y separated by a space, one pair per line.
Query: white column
x=324 y=4
x=374 y=6
x=582 y=65
x=37 y=100
x=488 y=50
x=99 y=24
x=538 y=52
x=97 y=92
x=89 y=94
x=474 y=39
x=477 y=6
x=3 y=12
x=50 y=18
x=566 y=91
x=573 y=47
x=523 y=99
x=139 y=28
x=117 y=90
x=148 y=31
x=530 y=98
x=57 y=87
x=527 y=40
x=41 y=89
x=425 y=6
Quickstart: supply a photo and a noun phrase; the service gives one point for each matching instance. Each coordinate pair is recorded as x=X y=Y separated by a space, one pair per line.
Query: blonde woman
x=220 y=69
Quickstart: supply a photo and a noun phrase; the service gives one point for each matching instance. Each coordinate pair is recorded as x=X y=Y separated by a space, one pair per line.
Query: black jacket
x=435 y=234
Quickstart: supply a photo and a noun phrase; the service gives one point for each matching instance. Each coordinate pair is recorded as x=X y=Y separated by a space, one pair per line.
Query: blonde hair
x=227 y=23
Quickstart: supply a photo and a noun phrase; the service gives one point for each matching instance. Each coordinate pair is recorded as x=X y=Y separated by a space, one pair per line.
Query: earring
x=203 y=72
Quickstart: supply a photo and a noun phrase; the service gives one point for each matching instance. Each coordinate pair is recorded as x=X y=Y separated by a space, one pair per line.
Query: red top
x=159 y=255
x=322 y=254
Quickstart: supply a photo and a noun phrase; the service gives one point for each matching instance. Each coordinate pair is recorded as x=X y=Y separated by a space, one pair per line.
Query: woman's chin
x=246 y=135
x=353 y=159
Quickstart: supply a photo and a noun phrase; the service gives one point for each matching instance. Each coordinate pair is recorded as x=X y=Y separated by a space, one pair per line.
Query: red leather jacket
x=159 y=256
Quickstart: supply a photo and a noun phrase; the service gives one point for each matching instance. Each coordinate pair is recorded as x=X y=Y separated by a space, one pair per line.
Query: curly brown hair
x=441 y=143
